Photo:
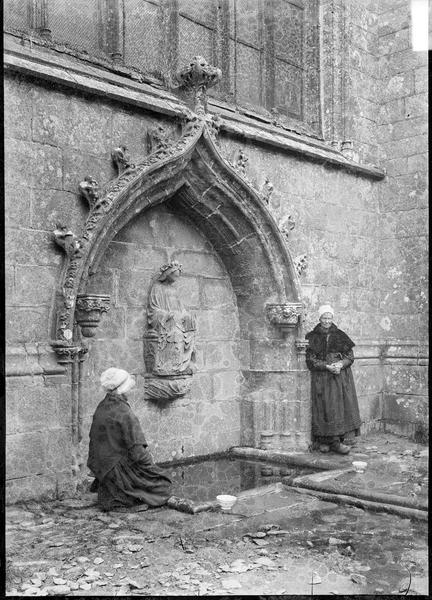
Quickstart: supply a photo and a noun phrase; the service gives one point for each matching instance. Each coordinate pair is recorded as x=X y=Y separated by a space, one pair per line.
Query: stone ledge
x=32 y=359
x=410 y=352
x=312 y=149
x=100 y=82
x=405 y=360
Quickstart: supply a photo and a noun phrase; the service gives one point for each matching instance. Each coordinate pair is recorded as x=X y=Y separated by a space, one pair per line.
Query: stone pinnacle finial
x=197 y=77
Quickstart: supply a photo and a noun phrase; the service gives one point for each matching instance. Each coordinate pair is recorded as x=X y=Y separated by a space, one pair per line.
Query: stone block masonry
x=402 y=131
x=365 y=242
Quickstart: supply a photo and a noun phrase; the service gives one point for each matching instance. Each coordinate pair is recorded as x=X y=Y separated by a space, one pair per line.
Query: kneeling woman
x=126 y=478
x=335 y=411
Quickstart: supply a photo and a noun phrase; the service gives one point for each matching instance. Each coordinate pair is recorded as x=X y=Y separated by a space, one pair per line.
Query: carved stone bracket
x=285 y=316
x=89 y=309
x=197 y=77
x=300 y=263
x=168 y=388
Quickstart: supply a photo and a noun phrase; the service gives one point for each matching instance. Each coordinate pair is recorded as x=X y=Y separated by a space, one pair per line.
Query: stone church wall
x=63 y=137
x=402 y=135
x=365 y=241
x=385 y=101
x=337 y=227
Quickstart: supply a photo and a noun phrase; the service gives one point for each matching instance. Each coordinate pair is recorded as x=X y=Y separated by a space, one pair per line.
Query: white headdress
x=325 y=308
x=117 y=380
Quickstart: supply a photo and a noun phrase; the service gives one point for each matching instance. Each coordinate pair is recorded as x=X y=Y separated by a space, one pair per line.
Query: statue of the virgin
x=170 y=327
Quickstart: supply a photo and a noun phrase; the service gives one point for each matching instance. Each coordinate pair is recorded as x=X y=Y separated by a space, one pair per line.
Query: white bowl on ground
x=226 y=501
x=359 y=465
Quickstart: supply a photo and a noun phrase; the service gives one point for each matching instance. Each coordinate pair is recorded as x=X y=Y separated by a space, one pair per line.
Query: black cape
x=335 y=410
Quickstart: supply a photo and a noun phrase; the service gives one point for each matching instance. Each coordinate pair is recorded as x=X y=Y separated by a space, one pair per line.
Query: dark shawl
x=115 y=430
x=338 y=341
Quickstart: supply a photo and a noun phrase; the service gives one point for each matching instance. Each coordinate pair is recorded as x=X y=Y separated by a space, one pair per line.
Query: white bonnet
x=117 y=380
x=325 y=308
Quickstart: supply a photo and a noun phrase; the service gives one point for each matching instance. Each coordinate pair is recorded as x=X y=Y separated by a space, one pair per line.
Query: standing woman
x=126 y=478
x=335 y=411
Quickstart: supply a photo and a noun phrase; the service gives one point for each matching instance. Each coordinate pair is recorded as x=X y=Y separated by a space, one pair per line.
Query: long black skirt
x=335 y=410
x=131 y=483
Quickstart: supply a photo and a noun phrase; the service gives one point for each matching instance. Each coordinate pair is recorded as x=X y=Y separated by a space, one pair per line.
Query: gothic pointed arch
x=193 y=178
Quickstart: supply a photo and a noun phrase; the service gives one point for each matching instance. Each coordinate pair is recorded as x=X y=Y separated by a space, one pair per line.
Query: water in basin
x=202 y=481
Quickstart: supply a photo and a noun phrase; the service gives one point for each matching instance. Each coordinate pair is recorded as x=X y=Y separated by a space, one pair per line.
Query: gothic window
x=268 y=50
x=143 y=31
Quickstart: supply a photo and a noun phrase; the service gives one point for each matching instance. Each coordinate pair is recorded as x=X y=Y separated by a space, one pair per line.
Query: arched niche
x=192 y=178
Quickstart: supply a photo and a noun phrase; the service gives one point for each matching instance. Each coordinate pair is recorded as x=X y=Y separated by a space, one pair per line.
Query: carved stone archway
x=193 y=178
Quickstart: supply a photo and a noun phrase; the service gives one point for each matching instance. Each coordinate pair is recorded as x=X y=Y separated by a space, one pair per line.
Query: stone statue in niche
x=169 y=350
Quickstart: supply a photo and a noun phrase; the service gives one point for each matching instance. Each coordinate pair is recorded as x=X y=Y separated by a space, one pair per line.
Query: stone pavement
x=279 y=542
x=395 y=467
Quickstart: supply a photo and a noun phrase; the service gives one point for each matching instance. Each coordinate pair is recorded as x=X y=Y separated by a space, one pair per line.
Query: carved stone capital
x=89 y=308
x=285 y=316
x=301 y=345
x=68 y=354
